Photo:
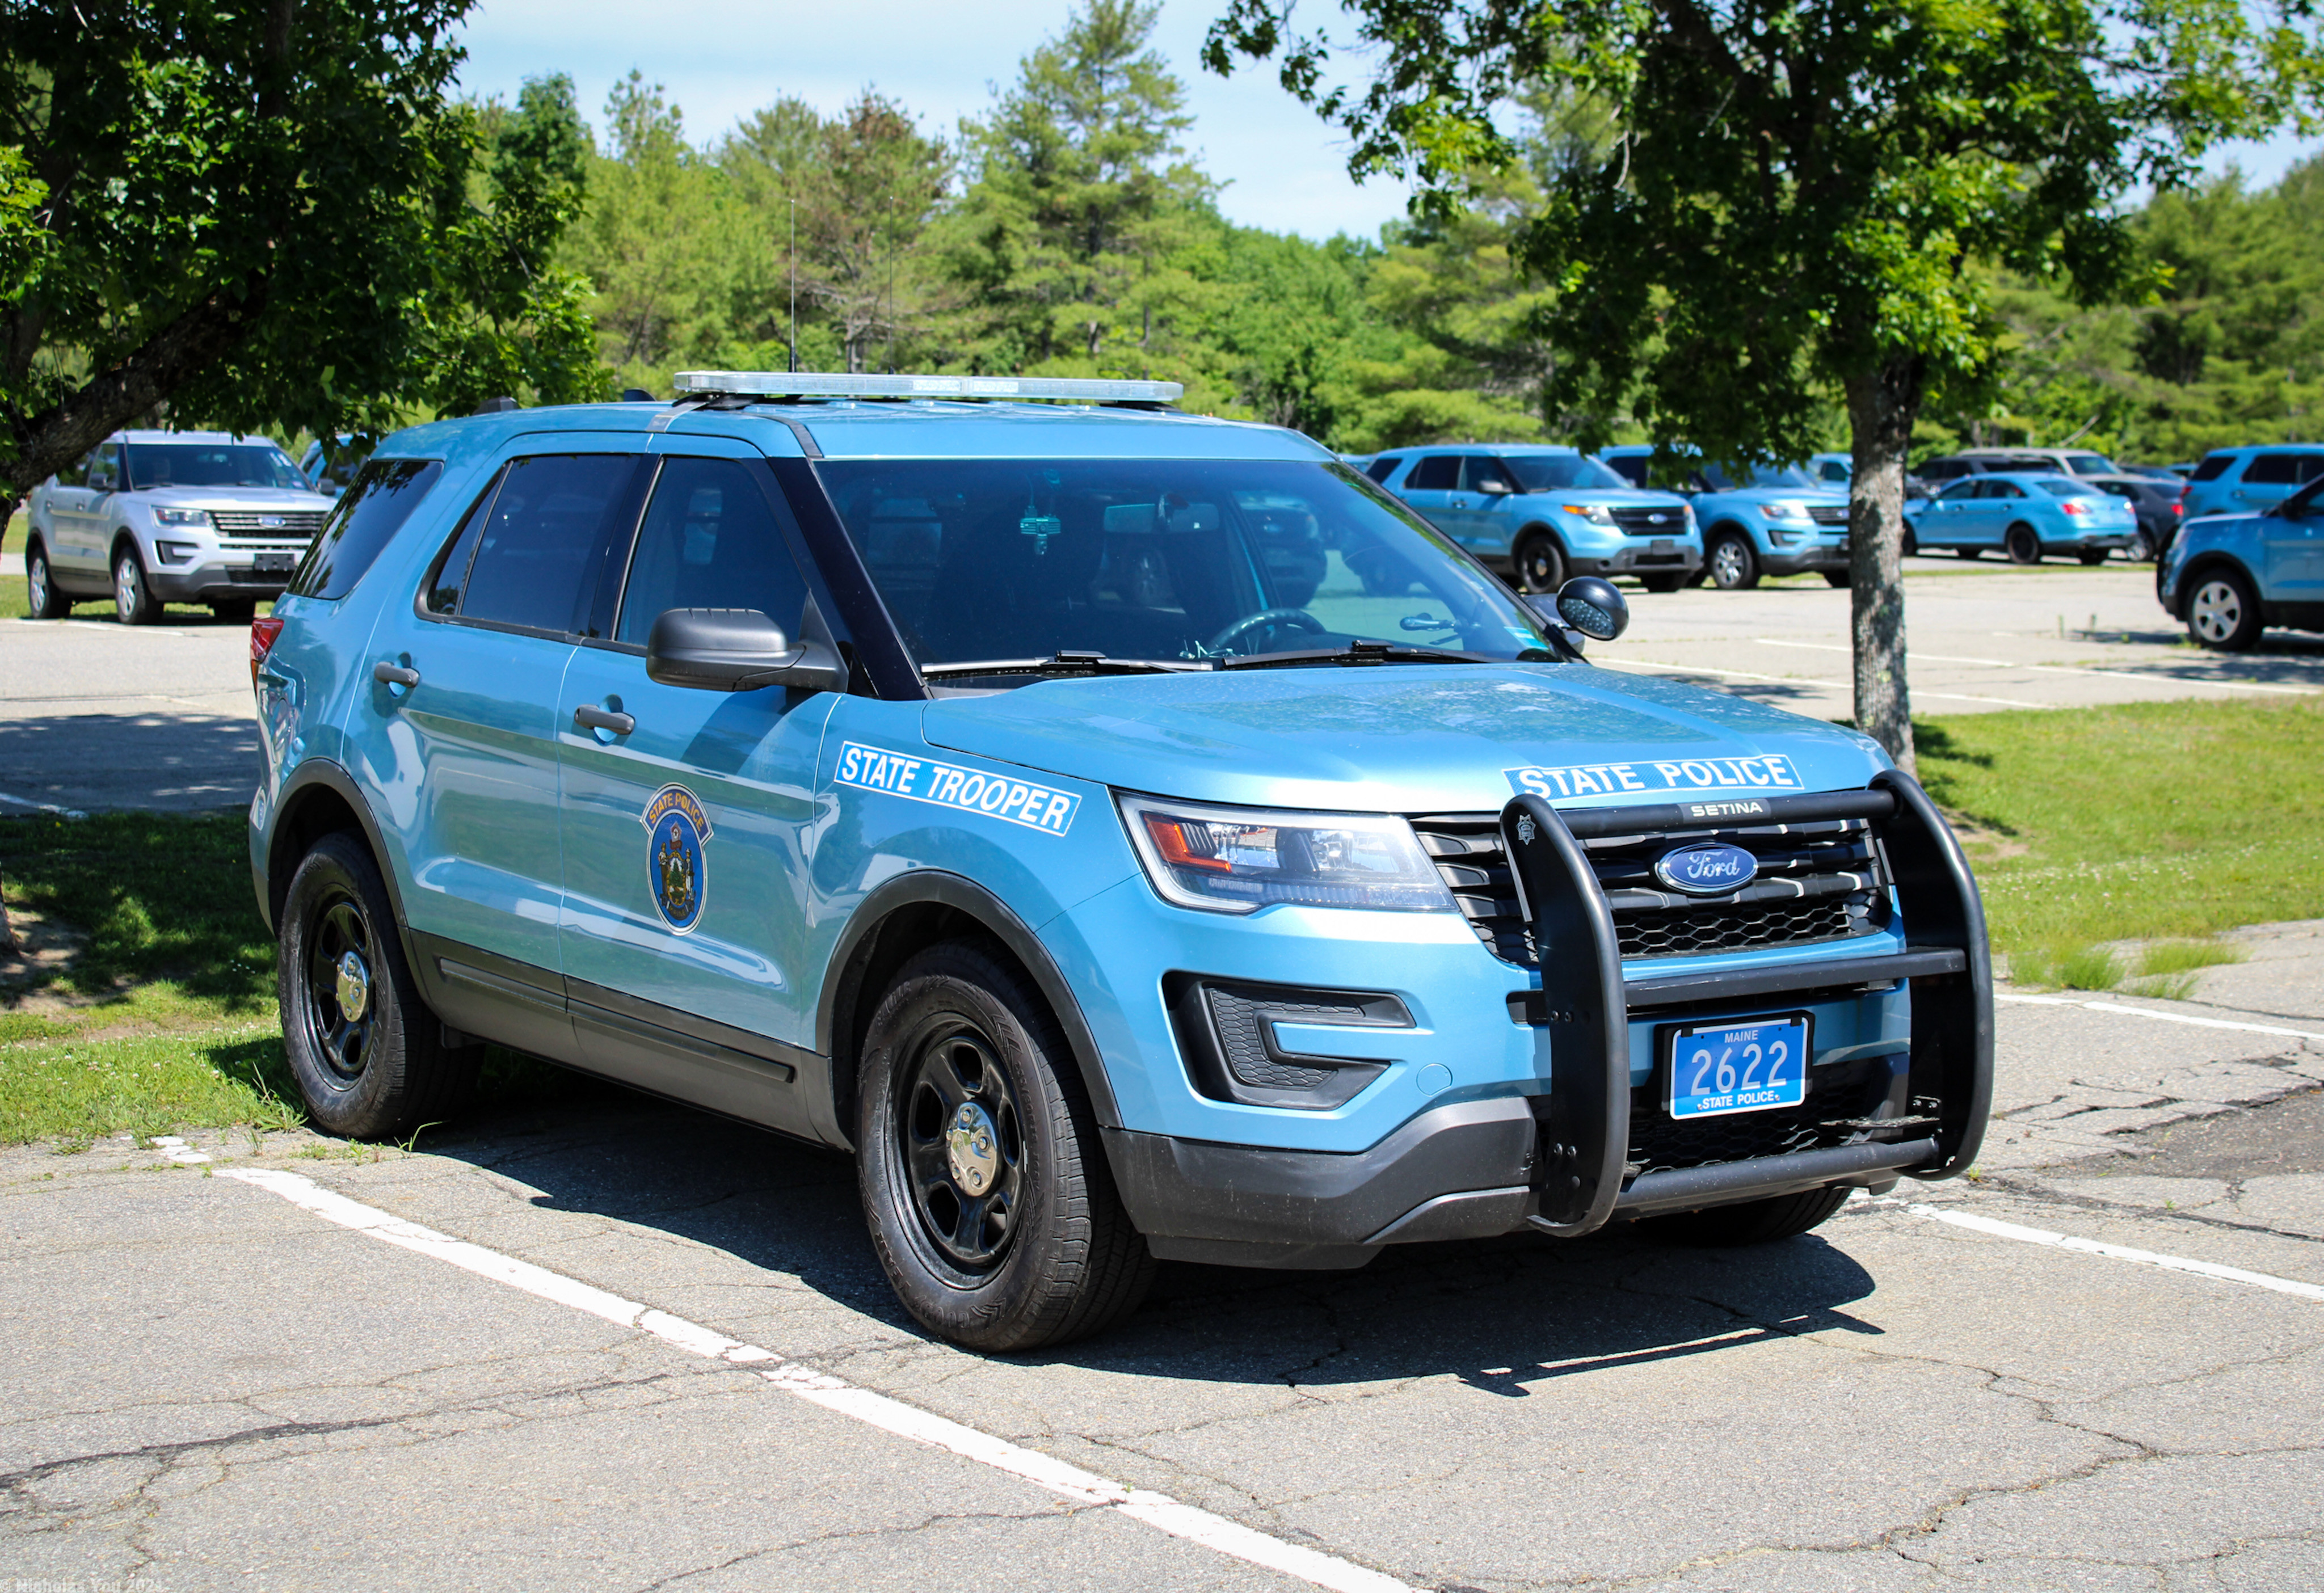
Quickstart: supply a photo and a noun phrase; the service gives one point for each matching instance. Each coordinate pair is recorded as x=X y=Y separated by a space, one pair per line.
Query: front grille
x=1647 y=520
x=1817 y=883
x=289 y=523
x=1828 y=514
x=1842 y=1097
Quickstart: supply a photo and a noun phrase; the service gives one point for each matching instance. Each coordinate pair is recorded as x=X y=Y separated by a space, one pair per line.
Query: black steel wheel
x=1751 y=1222
x=1540 y=564
x=984 y=1181
x=2022 y=545
x=367 y=1052
x=41 y=598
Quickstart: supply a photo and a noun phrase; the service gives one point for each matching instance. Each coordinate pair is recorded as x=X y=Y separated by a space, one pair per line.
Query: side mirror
x=1591 y=604
x=735 y=649
x=1493 y=487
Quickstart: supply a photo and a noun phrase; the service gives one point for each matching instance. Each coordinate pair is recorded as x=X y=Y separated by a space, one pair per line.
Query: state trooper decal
x=678 y=866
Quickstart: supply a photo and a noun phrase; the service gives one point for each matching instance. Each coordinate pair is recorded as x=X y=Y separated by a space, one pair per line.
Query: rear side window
x=369 y=514
x=2273 y=470
x=531 y=551
x=711 y=541
x=2213 y=467
x=1381 y=469
x=1438 y=473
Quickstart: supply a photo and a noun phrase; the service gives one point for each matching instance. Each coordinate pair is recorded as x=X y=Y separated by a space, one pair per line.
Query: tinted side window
x=2214 y=466
x=2273 y=470
x=2310 y=466
x=1381 y=469
x=1961 y=492
x=1630 y=467
x=539 y=546
x=711 y=541
x=1480 y=468
x=366 y=520
x=1438 y=473
x=1941 y=470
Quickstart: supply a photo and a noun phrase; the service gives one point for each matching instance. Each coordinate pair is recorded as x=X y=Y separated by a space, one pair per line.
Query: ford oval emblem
x=1655 y=520
x=271 y=521
x=1713 y=869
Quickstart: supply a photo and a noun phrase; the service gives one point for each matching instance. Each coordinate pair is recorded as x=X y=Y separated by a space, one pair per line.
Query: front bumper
x=1799 y=558
x=1682 y=558
x=230 y=578
x=1564 y=1161
x=2110 y=541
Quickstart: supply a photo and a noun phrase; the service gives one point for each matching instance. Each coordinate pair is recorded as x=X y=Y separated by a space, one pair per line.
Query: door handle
x=388 y=674
x=589 y=718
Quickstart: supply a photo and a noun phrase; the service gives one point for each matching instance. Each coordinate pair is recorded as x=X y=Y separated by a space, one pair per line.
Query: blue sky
x=722 y=60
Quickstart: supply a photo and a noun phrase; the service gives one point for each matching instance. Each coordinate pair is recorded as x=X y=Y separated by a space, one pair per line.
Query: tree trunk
x=1881 y=405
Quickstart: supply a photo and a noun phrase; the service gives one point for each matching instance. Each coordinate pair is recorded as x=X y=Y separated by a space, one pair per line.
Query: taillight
x=2074 y=506
x=2178 y=508
x=263 y=634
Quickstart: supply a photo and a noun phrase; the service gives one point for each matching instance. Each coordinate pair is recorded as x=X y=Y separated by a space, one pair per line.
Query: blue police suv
x=1763 y=520
x=1015 y=784
x=2229 y=577
x=1543 y=513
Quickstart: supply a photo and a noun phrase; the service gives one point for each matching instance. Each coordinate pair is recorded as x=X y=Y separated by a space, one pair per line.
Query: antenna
x=794 y=260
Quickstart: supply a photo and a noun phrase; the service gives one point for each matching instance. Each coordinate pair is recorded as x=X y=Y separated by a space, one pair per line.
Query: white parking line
x=889 y=1415
x=2148 y=675
x=2200 y=1023
x=1839 y=685
x=2042 y=1235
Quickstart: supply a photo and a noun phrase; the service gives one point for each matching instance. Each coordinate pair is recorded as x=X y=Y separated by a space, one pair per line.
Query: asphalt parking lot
x=592 y=1341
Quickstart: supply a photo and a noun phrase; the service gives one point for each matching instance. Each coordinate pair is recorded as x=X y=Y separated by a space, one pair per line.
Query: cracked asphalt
x=204 y=1385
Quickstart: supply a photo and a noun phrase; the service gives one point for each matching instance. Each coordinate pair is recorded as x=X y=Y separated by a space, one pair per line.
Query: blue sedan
x=2025 y=514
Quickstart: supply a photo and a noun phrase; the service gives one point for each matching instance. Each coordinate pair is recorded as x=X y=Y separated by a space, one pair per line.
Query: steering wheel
x=1297 y=618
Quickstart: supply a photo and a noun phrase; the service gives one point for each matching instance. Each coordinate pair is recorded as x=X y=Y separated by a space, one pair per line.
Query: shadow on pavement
x=1502 y=1315
x=178 y=762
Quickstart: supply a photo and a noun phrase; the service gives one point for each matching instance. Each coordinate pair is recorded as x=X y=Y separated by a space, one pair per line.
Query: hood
x=258 y=498
x=1646 y=497
x=1780 y=494
x=1420 y=738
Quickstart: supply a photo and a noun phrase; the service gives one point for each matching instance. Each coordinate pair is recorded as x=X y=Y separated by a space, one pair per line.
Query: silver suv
x=156 y=517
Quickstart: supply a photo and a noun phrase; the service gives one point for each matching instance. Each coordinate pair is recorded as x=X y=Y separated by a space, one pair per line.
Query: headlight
x=1597 y=514
x=1785 y=509
x=1239 y=860
x=192 y=519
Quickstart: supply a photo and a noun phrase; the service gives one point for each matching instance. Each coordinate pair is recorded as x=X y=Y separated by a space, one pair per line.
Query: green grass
x=2147 y=821
x=77 y=1091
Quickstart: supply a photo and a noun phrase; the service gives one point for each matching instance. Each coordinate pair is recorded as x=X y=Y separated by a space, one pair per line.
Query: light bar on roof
x=781 y=384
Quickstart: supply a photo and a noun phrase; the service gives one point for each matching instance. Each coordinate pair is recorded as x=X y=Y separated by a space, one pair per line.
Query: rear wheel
x=40 y=594
x=2023 y=546
x=1733 y=566
x=133 y=603
x=1540 y=564
x=1912 y=542
x=986 y=1188
x=1753 y=1222
x=367 y=1052
x=2223 y=614
x=2142 y=545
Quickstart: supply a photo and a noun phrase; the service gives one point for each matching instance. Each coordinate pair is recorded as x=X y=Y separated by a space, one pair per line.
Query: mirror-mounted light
x=735 y=649
x=1591 y=605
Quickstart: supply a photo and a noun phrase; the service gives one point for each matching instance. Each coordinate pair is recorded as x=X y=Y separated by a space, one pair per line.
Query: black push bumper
x=1560 y=1162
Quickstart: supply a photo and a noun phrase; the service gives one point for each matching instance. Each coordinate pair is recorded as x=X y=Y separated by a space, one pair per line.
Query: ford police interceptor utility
x=1013 y=783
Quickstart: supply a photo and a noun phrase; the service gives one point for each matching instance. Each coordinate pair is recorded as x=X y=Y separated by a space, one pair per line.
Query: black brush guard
x=1587 y=1006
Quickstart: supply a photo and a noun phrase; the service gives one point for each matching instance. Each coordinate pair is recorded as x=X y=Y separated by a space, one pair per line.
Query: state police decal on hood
x=677 y=866
x=1762 y=771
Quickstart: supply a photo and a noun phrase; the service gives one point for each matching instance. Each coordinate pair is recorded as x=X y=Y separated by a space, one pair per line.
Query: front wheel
x=367 y=1052
x=133 y=603
x=2224 y=613
x=1912 y=542
x=1540 y=565
x=984 y=1181
x=1752 y=1222
x=41 y=598
x=2023 y=546
x=1733 y=566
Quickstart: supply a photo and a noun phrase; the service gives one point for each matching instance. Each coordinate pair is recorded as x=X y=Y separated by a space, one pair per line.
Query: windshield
x=210 y=464
x=1759 y=475
x=1543 y=473
x=1164 y=559
x=2058 y=486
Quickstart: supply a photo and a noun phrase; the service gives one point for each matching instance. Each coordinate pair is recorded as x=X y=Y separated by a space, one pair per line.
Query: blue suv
x=2242 y=480
x=1543 y=513
x=2228 y=576
x=1769 y=520
x=1034 y=800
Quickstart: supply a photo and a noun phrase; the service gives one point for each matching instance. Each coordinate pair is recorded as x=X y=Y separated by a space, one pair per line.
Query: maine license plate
x=1716 y=1069
x=275 y=564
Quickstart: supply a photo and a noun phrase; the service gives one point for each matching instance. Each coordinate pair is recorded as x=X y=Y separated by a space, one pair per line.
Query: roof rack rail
x=783 y=384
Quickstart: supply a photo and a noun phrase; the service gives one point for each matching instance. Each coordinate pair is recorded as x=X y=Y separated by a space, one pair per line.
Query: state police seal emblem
x=675 y=865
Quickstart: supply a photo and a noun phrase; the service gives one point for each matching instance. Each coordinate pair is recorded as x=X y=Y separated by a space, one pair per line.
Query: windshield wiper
x=1065 y=661
x=1362 y=651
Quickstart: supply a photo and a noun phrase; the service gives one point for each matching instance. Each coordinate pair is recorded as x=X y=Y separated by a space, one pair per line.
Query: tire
x=1040 y=1251
x=1733 y=566
x=2142 y=545
x=1836 y=578
x=383 y=1071
x=1752 y=1222
x=1663 y=582
x=2091 y=555
x=42 y=597
x=1969 y=552
x=1912 y=543
x=240 y=610
x=1539 y=564
x=2223 y=611
x=133 y=603
x=2022 y=545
